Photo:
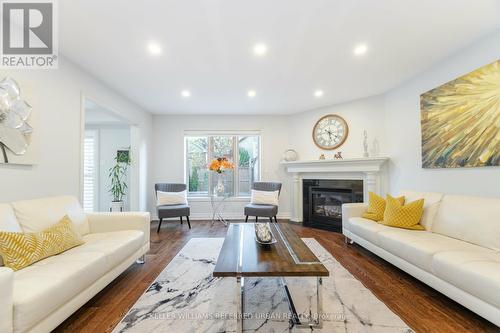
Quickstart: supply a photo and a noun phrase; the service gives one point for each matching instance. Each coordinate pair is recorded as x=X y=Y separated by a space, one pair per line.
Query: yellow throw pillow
x=376 y=207
x=20 y=250
x=403 y=216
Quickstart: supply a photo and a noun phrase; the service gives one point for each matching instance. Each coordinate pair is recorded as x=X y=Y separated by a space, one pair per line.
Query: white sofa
x=39 y=297
x=458 y=254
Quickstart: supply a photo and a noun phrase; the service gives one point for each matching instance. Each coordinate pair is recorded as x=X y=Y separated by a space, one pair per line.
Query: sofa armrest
x=6 y=299
x=352 y=210
x=106 y=222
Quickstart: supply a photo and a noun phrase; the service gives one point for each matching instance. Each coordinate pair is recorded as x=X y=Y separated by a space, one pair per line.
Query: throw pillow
x=403 y=216
x=376 y=207
x=171 y=198
x=264 y=197
x=20 y=250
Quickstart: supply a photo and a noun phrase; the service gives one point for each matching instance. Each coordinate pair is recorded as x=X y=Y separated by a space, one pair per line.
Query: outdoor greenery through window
x=243 y=150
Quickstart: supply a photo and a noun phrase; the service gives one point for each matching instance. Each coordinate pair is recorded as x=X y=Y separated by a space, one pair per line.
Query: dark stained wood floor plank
x=421 y=307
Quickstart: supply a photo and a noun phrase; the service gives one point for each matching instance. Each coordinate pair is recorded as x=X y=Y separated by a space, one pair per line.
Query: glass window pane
x=197 y=158
x=248 y=164
x=222 y=146
x=242 y=150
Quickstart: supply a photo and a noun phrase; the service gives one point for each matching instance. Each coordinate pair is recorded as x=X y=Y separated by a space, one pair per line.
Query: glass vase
x=219 y=187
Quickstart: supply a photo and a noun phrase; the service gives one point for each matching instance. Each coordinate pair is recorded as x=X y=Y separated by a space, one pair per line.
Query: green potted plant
x=118 y=180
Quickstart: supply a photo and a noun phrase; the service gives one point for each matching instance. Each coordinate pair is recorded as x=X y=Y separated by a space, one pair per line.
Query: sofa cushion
x=264 y=197
x=475 y=272
x=8 y=221
x=48 y=284
x=365 y=228
x=171 y=198
x=472 y=219
x=399 y=215
x=20 y=249
x=39 y=214
x=376 y=207
x=116 y=245
x=419 y=247
x=431 y=205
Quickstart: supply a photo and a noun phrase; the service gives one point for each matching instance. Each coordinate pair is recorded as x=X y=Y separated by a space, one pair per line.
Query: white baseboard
x=227 y=216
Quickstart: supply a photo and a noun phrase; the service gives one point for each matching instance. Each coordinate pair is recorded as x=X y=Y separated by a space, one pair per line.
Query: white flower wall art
x=15 y=130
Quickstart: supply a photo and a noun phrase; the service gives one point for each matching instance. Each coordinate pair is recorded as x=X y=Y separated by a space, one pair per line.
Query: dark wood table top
x=242 y=256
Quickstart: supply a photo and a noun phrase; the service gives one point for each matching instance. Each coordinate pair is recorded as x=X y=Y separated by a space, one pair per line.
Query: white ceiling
x=207 y=48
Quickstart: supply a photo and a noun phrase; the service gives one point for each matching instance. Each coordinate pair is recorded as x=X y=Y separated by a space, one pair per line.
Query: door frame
x=133 y=187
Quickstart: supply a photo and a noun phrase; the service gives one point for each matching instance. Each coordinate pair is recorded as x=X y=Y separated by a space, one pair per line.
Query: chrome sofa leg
x=347 y=240
x=141 y=260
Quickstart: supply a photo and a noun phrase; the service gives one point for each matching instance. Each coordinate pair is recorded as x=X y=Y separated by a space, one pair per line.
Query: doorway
x=107 y=142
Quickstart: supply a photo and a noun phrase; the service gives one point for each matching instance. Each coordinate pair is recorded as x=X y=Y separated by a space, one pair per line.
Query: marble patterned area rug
x=186 y=298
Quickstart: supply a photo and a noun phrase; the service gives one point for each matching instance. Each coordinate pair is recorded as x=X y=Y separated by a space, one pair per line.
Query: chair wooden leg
x=159 y=225
x=246 y=218
x=271 y=219
x=256 y=219
x=181 y=219
x=275 y=219
x=189 y=223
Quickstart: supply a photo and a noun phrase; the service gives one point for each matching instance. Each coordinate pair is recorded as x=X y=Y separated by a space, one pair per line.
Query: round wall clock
x=330 y=132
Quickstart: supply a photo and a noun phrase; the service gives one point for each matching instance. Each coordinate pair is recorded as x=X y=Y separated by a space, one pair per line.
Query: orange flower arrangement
x=220 y=164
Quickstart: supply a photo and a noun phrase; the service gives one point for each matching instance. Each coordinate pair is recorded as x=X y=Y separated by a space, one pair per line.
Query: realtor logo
x=29 y=38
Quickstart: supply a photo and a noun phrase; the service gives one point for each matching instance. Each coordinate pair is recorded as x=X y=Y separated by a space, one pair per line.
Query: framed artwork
x=123 y=156
x=16 y=125
x=460 y=121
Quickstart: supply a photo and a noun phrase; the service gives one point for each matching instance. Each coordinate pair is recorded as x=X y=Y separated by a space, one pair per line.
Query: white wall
x=168 y=153
x=111 y=138
x=403 y=129
x=393 y=119
x=278 y=134
x=364 y=114
x=56 y=98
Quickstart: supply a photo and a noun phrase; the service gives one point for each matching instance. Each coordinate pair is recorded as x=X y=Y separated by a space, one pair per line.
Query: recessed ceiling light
x=360 y=49
x=251 y=93
x=260 y=49
x=185 y=93
x=318 y=93
x=154 y=48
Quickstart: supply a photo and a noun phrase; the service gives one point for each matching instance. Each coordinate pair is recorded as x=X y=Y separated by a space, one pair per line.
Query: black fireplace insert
x=323 y=199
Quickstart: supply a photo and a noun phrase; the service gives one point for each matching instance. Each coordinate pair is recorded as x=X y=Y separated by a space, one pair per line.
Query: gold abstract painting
x=461 y=121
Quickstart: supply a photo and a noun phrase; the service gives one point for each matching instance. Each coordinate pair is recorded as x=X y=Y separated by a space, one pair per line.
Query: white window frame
x=235 y=135
x=95 y=134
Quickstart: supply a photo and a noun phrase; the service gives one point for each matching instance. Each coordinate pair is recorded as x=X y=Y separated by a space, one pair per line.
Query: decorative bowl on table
x=264 y=234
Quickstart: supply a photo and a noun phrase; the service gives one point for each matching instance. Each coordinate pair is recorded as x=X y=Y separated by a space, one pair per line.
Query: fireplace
x=323 y=199
x=370 y=174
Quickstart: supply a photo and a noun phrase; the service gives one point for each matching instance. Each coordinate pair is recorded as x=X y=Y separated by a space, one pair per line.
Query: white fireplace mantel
x=372 y=170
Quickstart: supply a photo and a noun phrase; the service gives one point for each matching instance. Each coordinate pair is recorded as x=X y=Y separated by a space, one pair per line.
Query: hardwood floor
x=421 y=307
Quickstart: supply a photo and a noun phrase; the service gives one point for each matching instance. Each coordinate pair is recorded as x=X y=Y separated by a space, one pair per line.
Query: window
x=90 y=171
x=243 y=150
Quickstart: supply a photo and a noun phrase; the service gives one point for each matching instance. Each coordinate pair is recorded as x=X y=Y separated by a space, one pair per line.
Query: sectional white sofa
x=458 y=254
x=39 y=297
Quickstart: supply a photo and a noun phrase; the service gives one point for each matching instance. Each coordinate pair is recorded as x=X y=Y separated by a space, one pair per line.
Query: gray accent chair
x=269 y=211
x=167 y=211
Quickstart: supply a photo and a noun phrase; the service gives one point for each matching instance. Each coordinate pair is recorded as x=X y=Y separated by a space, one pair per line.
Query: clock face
x=330 y=132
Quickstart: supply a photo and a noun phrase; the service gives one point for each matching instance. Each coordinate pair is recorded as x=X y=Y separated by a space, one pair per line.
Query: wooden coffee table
x=241 y=256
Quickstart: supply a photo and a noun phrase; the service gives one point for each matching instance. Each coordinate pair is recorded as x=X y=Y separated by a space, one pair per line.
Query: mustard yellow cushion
x=20 y=250
x=376 y=207
x=403 y=216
